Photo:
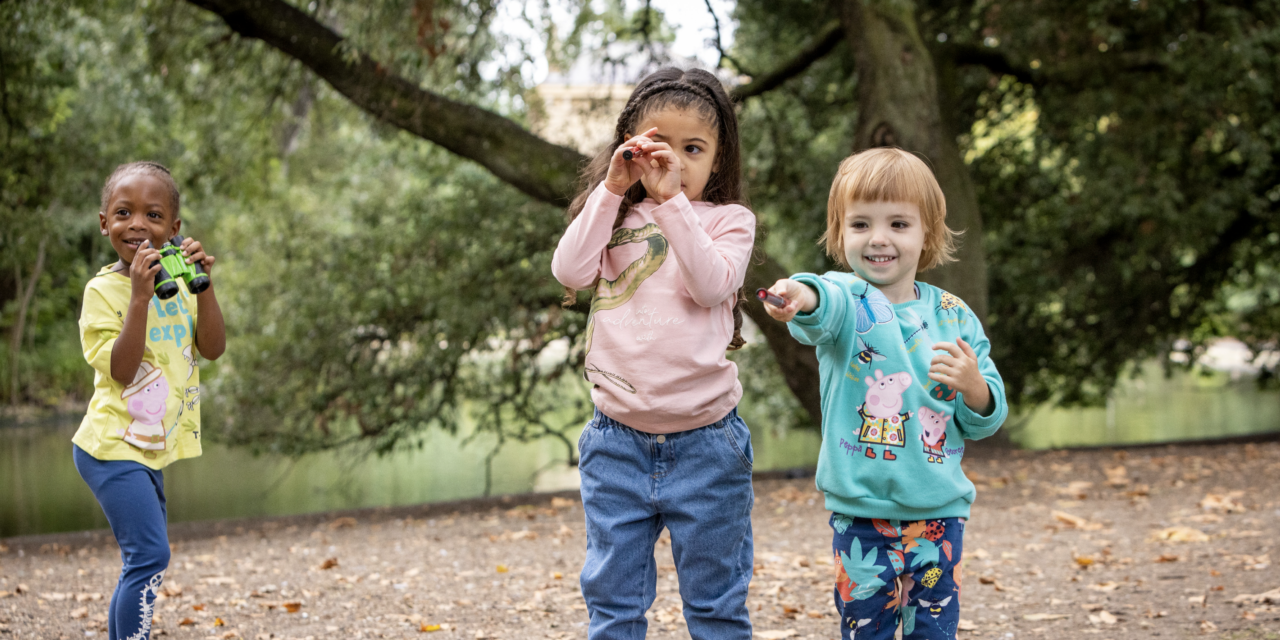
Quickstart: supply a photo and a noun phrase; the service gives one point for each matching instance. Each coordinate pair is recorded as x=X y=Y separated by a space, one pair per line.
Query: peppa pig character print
x=882 y=416
x=146 y=401
x=934 y=433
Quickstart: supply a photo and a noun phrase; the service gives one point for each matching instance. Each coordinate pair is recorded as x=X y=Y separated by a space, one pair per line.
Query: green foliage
x=1129 y=192
x=369 y=302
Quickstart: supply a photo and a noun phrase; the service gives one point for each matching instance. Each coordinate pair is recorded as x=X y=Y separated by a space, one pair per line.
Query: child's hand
x=194 y=252
x=624 y=173
x=799 y=298
x=958 y=369
x=143 y=270
x=661 y=178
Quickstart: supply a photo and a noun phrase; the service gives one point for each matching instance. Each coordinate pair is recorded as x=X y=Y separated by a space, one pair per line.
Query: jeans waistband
x=603 y=420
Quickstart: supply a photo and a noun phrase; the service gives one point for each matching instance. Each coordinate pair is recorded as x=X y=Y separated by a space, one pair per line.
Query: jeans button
x=662 y=439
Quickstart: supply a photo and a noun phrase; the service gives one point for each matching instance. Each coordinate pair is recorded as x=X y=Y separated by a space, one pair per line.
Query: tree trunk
x=898 y=106
x=25 y=294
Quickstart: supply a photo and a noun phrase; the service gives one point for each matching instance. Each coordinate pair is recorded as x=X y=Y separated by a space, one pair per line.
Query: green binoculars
x=174 y=266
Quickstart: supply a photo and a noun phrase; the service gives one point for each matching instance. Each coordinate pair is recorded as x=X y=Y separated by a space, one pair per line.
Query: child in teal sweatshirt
x=906 y=378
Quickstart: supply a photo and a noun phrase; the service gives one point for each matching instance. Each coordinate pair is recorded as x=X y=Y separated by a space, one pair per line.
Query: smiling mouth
x=880 y=259
x=135 y=243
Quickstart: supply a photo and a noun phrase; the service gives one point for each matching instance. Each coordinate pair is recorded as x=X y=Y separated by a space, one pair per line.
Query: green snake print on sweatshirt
x=611 y=294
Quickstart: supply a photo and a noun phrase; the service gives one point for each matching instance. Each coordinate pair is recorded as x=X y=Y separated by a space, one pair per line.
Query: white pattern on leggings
x=148 y=608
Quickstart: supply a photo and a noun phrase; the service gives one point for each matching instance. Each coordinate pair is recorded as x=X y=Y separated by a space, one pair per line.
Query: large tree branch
x=1073 y=74
x=545 y=171
x=816 y=50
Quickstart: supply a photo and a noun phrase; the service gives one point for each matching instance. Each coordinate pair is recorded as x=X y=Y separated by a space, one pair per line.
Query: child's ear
x=102 y=222
x=177 y=226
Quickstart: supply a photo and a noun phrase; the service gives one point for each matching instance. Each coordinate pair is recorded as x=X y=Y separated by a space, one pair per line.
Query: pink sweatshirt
x=663 y=311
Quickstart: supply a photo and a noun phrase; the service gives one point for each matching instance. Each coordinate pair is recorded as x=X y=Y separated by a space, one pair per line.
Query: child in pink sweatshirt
x=659 y=237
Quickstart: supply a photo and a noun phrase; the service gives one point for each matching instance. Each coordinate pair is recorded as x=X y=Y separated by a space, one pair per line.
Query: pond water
x=41 y=492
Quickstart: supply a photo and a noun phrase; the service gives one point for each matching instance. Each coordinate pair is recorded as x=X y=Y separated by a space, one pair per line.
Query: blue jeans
x=897 y=572
x=697 y=484
x=132 y=497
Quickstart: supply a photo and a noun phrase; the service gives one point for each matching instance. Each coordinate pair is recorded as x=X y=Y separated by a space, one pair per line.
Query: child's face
x=139 y=209
x=694 y=140
x=883 y=242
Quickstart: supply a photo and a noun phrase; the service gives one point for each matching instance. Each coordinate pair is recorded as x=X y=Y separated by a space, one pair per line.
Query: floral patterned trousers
x=892 y=572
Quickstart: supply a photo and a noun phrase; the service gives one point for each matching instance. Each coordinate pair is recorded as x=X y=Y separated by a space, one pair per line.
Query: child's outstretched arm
x=578 y=255
x=211 y=333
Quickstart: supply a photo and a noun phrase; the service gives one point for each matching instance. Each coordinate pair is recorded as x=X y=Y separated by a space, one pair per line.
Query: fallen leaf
x=1207 y=627
x=1269 y=597
x=1103 y=617
x=94 y=597
x=219 y=622
x=1196 y=600
x=1037 y=617
x=329 y=563
x=1168 y=557
x=1180 y=534
x=1117 y=476
x=82 y=612
x=563 y=503
x=198 y=607
x=776 y=635
x=1224 y=503
x=292 y=607
x=427 y=628
x=1105 y=586
x=502 y=568
x=340 y=523
x=186 y=622
x=1138 y=491
x=1075 y=522
x=1083 y=561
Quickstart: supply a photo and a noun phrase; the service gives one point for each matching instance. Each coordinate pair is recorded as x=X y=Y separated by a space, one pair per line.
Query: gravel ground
x=1169 y=542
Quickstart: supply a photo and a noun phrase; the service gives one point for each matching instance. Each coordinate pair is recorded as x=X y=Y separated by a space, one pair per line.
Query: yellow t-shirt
x=156 y=419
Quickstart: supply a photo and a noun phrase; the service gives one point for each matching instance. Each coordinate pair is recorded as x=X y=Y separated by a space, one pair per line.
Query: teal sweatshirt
x=892 y=438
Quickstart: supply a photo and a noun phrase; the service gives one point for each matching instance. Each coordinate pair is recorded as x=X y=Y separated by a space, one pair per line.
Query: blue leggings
x=132 y=497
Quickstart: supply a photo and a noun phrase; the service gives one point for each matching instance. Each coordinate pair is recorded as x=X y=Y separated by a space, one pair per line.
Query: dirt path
x=1061 y=545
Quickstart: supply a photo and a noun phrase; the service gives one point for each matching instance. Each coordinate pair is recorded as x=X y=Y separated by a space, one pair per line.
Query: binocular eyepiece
x=173 y=266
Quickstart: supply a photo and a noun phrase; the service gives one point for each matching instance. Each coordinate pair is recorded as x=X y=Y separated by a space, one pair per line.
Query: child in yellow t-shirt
x=145 y=411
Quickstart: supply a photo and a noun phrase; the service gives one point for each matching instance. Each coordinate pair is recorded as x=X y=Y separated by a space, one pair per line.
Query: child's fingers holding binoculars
x=193 y=251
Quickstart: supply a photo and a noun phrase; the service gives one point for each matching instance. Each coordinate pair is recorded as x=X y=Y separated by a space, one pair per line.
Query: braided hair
x=153 y=169
x=696 y=90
